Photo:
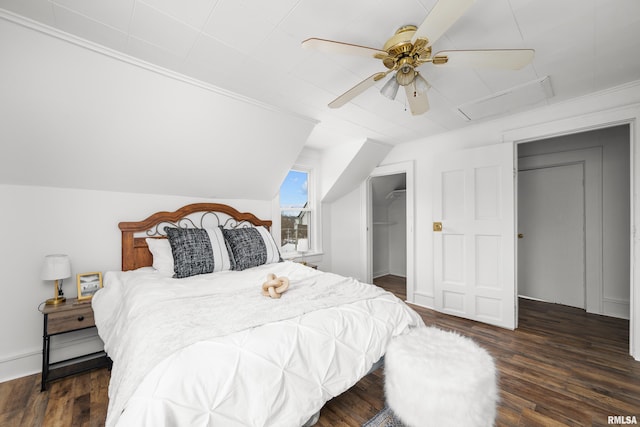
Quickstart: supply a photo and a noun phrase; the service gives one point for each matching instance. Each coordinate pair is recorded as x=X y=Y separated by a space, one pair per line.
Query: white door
x=474 y=253
x=551 y=220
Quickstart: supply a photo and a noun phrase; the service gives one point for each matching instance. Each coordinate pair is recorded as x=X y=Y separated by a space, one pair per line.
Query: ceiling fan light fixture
x=405 y=78
x=406 y=72
x=411 y=47
x=390 y=88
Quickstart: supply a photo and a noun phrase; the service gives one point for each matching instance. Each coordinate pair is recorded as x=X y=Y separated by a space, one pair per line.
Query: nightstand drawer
x=70 y=320
x=67 y=316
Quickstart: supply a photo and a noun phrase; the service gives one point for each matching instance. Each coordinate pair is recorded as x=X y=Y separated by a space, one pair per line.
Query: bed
x=209 y=348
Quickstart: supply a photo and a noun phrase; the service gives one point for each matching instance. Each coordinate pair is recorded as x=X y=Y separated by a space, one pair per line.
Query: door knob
x=520 y=235
x=437 y=226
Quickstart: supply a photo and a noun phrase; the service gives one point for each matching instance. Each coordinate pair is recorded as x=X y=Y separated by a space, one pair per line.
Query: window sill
x=293 y=256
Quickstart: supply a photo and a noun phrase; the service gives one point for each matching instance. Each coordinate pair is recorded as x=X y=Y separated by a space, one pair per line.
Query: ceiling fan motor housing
x=404 y=55
x=400 y=43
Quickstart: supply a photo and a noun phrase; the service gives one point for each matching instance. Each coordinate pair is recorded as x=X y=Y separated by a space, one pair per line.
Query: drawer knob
x=80 y=318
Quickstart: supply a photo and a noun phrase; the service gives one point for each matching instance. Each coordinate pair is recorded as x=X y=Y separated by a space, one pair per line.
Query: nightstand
x=63 y=318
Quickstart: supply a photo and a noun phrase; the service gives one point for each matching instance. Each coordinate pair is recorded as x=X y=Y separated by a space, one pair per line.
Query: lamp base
x=55 y=301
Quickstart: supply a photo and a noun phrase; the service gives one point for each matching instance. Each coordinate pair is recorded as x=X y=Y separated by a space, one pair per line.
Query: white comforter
x=211 y=350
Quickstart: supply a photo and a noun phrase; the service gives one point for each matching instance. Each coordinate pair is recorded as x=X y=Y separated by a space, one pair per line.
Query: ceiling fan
x=410 y=47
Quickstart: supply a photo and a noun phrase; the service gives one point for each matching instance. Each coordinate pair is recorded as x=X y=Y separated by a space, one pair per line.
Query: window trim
x=315 y=246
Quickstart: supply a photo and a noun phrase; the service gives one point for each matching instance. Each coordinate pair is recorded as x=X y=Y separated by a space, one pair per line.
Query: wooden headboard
x=135 y=252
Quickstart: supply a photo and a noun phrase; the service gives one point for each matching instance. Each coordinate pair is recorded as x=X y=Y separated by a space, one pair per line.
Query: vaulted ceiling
x=253 y=48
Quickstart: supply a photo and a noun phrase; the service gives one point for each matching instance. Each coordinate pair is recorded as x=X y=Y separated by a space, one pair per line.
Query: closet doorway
x=389 y=223
x=389 y=231
x=574 y=218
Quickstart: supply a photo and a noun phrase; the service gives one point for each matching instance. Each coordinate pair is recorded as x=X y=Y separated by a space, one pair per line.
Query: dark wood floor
x=560 y=367
x=395 y=284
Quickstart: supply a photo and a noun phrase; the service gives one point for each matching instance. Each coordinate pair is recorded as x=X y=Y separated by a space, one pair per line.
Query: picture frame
x=88 y=284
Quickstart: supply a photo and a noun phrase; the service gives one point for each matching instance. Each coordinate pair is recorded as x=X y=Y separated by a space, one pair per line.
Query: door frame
x=367 y=231
x=602 y=119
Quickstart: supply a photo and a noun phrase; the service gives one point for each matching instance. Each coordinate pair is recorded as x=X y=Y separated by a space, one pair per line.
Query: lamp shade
x=390 y=88
x=56 y=267
x=303 y=245
x=405 y=75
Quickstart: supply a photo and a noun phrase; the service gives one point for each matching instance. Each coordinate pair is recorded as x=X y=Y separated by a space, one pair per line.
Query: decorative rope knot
x=275 y=286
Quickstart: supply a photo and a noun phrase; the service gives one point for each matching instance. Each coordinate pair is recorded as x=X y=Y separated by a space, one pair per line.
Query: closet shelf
x=384 y=223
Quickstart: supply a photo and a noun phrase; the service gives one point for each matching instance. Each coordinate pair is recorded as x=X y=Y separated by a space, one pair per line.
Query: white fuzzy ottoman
x=439 y=378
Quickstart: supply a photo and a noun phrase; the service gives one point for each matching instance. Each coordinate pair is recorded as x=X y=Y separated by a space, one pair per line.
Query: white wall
x=345 y=235
x=339 y=239
x=73 y=109
x=397 y=212
x=345 y=166
x=81 y=223
x=425 y=153
x=380 y=237
x=596 y=110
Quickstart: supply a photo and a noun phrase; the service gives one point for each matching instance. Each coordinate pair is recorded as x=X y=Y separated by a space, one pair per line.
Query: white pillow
x=162 y=256
x=221 y=261
x=273 y=254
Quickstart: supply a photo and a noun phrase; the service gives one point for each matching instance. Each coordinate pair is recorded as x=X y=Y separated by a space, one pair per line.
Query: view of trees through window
x=295 y=212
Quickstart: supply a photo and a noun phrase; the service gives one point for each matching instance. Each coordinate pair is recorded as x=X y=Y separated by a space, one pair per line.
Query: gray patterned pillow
x=192 y=252
x=246 y=247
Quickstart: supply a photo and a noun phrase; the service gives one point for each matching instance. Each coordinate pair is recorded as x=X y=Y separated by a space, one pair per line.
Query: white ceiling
x=253 y=48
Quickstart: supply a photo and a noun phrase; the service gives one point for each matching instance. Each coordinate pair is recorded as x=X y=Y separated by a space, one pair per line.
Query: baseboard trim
x=30 y=362
x=378 y=274
x=20 y=366
x=616 y=308
x=423 y=300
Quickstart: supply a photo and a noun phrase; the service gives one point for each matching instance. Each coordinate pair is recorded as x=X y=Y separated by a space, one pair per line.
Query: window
x=296 y=210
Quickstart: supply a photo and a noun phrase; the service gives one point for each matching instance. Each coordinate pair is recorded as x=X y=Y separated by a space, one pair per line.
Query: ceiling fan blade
x=510 y=59
x=418 y=103
x=356 y=90
x=330 y=46
x=440 y=18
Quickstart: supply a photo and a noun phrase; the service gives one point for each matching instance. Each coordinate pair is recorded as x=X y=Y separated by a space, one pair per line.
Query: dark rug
x=384 y=418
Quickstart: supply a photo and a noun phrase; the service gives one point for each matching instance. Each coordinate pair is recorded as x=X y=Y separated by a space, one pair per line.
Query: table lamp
x=56 y=267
